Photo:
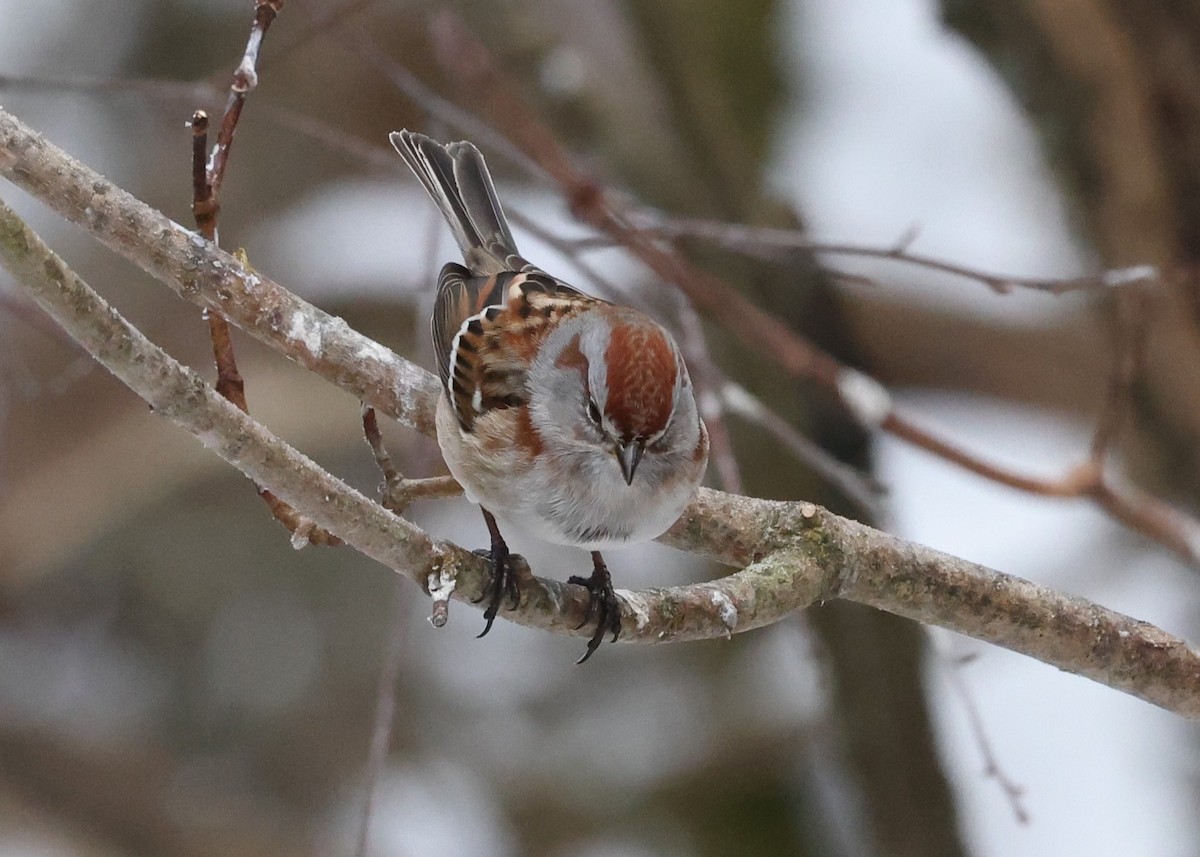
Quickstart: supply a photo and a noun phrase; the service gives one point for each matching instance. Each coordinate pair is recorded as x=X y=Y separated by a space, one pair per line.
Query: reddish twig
x=204 y=209
x=382 y=460
x=245 y=78
x=207 y=177
x=397 y=492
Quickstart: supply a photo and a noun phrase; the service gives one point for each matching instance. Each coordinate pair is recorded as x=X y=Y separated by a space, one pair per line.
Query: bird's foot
x=504 y=574
x=603 y=605
x=504 y=582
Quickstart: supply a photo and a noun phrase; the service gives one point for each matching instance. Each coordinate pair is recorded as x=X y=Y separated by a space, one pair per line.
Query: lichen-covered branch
x=790 y=554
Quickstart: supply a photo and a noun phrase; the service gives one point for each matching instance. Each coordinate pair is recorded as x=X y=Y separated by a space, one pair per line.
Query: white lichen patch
x=247 y=73
x=635 y=605
x=369 y=349
x=306 y=331
x=726 y=611
x=441 y=585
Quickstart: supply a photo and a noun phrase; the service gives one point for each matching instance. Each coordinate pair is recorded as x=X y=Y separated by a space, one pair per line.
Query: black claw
x=504 y=580
x=603 y=605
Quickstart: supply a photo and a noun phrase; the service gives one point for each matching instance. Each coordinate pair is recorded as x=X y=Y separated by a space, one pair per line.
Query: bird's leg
x=603 y=605
x=504 y=579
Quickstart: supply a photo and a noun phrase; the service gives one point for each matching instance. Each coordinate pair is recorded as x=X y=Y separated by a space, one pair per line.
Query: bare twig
x=245 y=78
x=858 y=487
x=391 y=477
x=397 y=492
x=792 y=554
x=207 y=178
x=785 y=244
x=1013 y=792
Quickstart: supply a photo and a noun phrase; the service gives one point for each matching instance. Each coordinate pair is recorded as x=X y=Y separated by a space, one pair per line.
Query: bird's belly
x=596 y=514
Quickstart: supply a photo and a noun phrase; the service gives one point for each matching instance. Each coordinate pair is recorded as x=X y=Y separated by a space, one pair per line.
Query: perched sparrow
x=564 y=414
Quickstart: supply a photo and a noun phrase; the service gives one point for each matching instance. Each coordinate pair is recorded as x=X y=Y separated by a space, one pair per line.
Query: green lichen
x=818 y=543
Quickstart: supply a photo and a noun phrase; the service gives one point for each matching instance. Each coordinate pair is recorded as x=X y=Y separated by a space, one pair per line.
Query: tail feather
x=457 y=179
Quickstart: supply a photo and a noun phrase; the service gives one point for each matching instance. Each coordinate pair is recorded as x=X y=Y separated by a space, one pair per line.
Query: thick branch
x=210 y=277
x=793 y=553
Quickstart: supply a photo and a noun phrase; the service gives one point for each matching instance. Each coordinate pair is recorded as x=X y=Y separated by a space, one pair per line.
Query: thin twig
x=784 y=245
x=1013 y=792
x=397 y=493
x=858 y=487
x=207 y=179
x=391 y=477
x=245 y=79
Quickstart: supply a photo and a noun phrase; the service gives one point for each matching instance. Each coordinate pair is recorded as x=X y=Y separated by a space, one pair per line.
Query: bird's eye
x=593 y=411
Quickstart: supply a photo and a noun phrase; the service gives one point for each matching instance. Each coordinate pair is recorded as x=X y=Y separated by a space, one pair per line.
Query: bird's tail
x=457 y=178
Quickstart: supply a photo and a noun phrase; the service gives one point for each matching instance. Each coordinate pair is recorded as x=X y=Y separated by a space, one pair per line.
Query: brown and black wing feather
x=486 y=331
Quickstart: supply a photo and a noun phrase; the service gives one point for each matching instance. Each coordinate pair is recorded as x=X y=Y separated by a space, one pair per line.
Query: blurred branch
x=784 y=245
x=858 y=487
x=792 y=555
x=174 y=92
x=1013 y=791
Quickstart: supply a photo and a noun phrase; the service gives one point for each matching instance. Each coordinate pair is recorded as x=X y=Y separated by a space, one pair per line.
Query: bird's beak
x=628 y=456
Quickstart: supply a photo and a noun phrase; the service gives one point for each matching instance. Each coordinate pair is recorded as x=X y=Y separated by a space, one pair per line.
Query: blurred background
x=175 y=679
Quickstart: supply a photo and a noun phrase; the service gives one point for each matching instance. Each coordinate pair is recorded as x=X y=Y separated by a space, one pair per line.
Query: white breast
x=577 y=499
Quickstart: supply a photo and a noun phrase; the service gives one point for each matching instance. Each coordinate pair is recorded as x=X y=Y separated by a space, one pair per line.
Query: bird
x=567 y=415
